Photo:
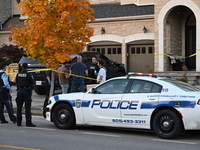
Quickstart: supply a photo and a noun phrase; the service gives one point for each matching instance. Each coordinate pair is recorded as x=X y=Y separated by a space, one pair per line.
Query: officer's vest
x=1 y=81
x=22 y=78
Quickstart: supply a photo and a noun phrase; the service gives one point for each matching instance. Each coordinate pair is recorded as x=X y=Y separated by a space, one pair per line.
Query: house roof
x=111 y=10
x=12 y=20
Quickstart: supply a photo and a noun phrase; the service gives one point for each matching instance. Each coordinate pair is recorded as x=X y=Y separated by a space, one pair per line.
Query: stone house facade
x=142 y=34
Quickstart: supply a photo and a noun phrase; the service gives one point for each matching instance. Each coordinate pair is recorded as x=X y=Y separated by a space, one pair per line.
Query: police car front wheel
x=63 y=116
x=167 y=124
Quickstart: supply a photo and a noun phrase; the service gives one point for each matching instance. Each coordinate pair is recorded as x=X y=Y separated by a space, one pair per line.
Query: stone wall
x=157 y=7
x=16 y=10
x=197 y=2
x=175 y=37
x=4 y=39
x=123 y=28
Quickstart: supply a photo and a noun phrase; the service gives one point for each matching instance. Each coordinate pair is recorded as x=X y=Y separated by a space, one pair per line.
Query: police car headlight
x=49 y=102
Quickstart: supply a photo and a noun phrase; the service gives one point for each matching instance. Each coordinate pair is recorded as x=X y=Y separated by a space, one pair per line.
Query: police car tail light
x=198 y=102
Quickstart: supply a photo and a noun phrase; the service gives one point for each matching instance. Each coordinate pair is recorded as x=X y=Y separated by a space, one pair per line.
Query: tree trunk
x=51 y=92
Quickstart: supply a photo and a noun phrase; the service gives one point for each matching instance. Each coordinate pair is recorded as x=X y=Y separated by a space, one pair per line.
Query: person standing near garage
x=63 y=78
x=5 y=97
x=79 y=70
x=102 y=72
x=25 y=84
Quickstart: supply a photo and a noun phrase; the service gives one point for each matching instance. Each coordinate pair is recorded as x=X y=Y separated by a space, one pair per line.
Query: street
x=37 y=100
x=47 y=137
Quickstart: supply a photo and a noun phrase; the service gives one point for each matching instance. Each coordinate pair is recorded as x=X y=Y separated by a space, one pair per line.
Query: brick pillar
x=124 y=54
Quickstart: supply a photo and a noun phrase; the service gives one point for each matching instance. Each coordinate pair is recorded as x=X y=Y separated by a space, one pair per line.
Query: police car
x=166 y=106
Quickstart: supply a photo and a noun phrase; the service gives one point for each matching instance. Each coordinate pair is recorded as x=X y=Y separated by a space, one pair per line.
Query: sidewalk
x=37 y=101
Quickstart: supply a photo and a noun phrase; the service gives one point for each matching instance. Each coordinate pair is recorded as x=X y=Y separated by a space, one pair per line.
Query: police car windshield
x=184 y=86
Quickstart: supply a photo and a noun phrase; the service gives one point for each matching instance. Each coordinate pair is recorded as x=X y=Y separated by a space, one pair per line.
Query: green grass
x=23 y=112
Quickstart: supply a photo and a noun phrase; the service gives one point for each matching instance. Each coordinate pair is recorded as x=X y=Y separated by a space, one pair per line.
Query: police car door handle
x=152 y=99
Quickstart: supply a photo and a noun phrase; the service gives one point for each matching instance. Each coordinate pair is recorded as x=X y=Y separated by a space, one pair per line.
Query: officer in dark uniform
x=93 y=70
x=5 y=97
x=25 y=83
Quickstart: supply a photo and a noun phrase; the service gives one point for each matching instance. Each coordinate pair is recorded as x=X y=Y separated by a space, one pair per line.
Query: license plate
x=48 y=116
x=38 y=83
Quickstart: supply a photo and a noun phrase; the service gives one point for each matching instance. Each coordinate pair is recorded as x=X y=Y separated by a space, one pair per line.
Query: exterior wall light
x=144 y=29
x=18 y=1
x=103 y=31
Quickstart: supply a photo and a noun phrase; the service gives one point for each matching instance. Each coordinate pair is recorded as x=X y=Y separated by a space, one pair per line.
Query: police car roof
x=135 y=77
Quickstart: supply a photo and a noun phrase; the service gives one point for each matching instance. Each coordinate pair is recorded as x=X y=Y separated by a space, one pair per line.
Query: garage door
x=141 y=58
x=112 y=52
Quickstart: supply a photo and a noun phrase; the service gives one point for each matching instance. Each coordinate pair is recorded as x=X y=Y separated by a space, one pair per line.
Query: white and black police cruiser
x=166 y=106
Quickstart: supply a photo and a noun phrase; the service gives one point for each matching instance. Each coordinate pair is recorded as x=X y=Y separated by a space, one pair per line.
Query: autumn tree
x=54 y=30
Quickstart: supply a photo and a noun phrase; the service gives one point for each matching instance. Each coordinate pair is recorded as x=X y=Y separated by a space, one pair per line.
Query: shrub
x=10 y=53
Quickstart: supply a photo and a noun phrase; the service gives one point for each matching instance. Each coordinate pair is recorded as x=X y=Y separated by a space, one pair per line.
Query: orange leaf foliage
x=54 y=29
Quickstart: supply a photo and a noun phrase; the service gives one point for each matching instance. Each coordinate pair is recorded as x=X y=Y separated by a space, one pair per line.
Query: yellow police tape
x=40 y=70
x=93 y=78
x=58 y=72
x=177 y=56
x=74 y=75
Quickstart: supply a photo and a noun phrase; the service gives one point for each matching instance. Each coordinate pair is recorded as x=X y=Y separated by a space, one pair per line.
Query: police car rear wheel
x=63 y=116
x=167 y=124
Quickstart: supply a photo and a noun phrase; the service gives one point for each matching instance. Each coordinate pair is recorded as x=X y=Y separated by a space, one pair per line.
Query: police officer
x=25 y=83
x=93 y=70
x=5 y=98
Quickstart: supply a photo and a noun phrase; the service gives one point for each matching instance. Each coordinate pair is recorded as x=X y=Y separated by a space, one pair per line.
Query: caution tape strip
x=31 y=71
x=40 y=70
x=162 y=54
x=182 y=57
x=93 y=78
x=74 y=75
x=58 y=72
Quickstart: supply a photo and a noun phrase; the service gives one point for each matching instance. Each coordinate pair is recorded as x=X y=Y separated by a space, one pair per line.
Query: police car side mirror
x=94 y=90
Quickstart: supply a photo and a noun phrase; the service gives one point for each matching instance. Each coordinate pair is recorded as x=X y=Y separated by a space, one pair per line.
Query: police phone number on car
x=129 y=121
